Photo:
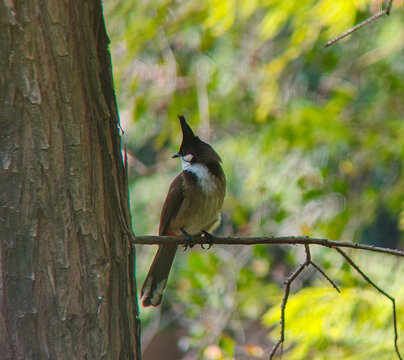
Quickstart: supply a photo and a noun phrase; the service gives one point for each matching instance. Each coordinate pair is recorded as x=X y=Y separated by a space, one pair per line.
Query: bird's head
x=193 y=150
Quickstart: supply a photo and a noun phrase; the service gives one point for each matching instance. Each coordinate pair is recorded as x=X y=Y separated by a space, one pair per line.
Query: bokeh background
x=312 y=144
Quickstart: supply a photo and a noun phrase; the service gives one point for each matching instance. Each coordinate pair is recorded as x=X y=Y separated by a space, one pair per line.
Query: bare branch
x=290 y=240
x=334 y=285
x=368 y=280
x=386 y=11
x=266 y=240
x=288 y=283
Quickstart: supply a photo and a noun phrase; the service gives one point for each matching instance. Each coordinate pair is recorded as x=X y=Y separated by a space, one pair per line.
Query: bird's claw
x=209 y=239
x=187 y=240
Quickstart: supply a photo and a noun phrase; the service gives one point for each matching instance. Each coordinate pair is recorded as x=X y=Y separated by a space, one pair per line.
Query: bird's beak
x=176 y=155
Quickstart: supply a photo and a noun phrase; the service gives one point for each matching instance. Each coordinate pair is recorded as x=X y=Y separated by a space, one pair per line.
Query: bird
x=192 y=207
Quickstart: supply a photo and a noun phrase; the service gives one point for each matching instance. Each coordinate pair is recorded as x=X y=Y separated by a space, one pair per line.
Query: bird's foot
x=188 y=240
x=209 y=239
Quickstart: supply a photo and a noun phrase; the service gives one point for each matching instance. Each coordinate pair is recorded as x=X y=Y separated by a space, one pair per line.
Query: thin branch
x=368 y=280
x=288 y=283
x=334 y=285
x=266 y=240
x=290 y=240
x=386 y=11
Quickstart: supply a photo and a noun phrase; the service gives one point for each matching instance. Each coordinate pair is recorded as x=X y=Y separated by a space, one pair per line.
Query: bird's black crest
x=187 y=133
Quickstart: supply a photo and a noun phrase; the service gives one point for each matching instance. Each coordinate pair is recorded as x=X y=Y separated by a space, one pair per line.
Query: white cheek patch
x=188 y=158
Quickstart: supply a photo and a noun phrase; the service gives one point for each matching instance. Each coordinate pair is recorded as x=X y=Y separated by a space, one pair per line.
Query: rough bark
x=67 y=287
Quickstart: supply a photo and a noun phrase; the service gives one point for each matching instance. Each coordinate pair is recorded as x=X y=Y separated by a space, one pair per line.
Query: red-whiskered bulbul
x=192 y=207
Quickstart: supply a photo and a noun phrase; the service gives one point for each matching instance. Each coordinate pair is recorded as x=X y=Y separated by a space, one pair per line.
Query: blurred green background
x=312 y=144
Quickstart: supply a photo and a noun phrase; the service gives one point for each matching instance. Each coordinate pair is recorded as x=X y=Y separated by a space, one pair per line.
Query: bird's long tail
x=156 y=280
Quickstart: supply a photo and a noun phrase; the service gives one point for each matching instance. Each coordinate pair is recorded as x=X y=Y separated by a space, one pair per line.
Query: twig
x=290 y=240
x=334 y=285
x=368 y=280
x=287 y=283
x=281 y=240
x=363 y=23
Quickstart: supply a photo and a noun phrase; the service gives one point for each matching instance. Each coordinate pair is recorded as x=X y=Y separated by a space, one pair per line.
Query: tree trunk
x=67 y=284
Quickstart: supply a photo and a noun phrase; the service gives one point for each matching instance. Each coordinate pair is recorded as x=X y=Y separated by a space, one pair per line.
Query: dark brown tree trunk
x=67 y=285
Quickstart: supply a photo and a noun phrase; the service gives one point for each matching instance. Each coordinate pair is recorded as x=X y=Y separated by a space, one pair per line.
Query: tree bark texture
x=67 y=284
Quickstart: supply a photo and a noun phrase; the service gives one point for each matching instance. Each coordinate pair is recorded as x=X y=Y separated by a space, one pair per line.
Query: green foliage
x=355 y=328
x=311 y=142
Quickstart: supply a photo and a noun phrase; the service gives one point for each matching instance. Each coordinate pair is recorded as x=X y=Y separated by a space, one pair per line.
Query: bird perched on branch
x=192 y=207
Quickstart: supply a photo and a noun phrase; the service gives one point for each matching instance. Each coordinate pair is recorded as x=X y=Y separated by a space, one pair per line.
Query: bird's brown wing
x=172 y=204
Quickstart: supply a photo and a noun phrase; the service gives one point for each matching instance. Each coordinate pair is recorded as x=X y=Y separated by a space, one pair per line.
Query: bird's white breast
x=205 y=179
